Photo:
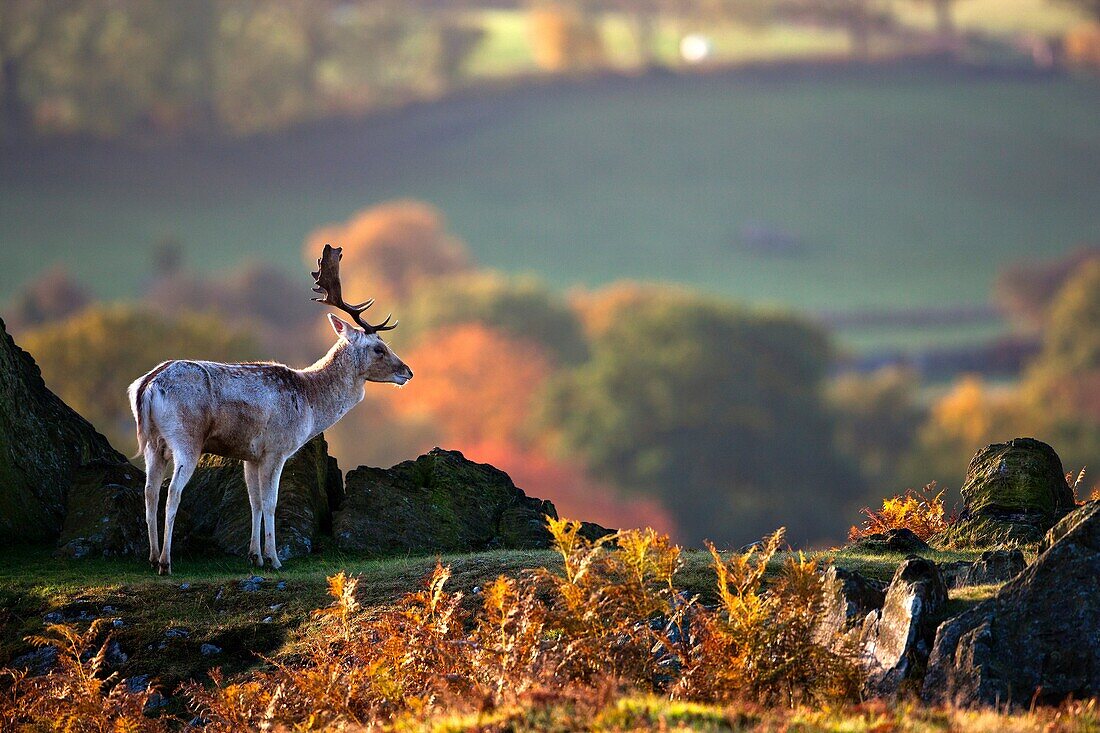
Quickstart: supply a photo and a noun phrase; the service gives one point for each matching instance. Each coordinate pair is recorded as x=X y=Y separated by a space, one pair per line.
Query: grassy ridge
x=206 y=598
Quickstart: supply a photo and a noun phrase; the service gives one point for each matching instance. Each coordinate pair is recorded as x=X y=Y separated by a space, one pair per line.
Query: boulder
x=107 y=511
x=440 y=502
x=1083 y=515
x=992 y=567
x=42 y=444
x=1037 y=639
x=902 y=540
x=848 y=597
x=895 y=641
x=1013 y=493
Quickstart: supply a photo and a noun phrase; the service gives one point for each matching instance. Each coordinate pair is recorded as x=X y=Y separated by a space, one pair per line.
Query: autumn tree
x=716 y=410
x=1063 y=386
x=877 y=419
x=253 y=296
x=90 y=358
x=474 y=384
x=1091 y=8
x=1025 y=290
x=392 y=247
x=565 y=36
x=969 y=415
x=862 y=19
x=522 y=307
x=51 y=296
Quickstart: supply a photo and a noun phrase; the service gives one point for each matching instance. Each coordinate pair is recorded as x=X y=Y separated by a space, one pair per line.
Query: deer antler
x=328 y=285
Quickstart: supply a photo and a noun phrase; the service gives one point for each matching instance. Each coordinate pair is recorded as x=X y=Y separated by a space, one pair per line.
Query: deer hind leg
x=156 y=465
x=185 y=460
x=255 y=500
x=271 y=478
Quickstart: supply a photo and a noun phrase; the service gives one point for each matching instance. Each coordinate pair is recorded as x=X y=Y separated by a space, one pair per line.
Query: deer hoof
x=164 y=568
x=275 y=562
x=154 y=563
x=255 y=560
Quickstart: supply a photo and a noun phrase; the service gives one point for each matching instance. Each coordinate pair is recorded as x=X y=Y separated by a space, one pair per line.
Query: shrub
x=760 y=645
x=76 y=695
x=922 y=512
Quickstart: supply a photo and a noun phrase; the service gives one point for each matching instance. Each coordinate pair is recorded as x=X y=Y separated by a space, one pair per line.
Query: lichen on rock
x=1013 y=493
x=440 y=502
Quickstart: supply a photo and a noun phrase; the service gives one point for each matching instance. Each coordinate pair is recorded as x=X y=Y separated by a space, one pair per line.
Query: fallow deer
x=258 y=413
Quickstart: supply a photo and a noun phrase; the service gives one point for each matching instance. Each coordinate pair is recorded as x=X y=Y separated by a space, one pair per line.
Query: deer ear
x=342 y=328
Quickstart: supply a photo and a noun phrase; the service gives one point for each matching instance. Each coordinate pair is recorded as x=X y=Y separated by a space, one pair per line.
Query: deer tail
x=141 y=407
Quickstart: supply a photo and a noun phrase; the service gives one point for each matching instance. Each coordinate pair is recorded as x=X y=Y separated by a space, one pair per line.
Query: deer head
x=373 y=359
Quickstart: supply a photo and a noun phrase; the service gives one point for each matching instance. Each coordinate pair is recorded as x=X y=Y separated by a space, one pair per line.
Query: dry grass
x=603 y=637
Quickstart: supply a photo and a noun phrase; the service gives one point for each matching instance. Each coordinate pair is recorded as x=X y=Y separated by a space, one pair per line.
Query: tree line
x=629 y=404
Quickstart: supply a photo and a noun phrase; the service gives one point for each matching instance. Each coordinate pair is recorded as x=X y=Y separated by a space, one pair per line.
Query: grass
x=205 y=597
x=908 y=187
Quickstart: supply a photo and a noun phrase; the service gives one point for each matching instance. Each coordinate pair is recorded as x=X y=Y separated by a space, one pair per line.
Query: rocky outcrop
x=992 y=567
x=902 y=540
x=107 y=508
x=895 y=641
x=1014 y=492
x=847 y=599
x=1038 y=638
x=441 y=502
x=42 y=444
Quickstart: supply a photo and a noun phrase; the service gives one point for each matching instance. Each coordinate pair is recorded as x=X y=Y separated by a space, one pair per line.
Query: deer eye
x=379 y=350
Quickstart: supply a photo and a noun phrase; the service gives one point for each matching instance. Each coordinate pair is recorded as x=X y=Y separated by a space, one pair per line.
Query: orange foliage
x=473 y=383
x=922 y=513
x=574 y=493
x=599 y=309
x=563 y=39
x=391 y=247
x=1082 y=45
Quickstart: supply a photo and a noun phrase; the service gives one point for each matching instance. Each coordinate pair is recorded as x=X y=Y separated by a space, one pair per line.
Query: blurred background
x=714 y=266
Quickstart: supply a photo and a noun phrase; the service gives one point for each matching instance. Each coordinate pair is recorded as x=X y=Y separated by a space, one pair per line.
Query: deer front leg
x=255 y=500
x=156 y=464
x=270 y=501
x=185 y=466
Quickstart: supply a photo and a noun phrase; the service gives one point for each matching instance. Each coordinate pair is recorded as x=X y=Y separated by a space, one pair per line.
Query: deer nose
x=409 y=372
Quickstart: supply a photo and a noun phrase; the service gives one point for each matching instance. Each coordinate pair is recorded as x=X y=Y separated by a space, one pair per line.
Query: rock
x=901 y=540
x=441 y=502
x=1037 y=638
x=177 y=633
x=42 y=444
x=251 y=584
x=1084 y=515
x=848 y=598
x=115 y=656
x=38 y=662
x=210 y=650
x=992 y=567
x=107 y=512
x=1013 y=493
x=895 y=641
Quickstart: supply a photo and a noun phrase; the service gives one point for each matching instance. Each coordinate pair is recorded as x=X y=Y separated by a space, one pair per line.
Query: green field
x=903 y=188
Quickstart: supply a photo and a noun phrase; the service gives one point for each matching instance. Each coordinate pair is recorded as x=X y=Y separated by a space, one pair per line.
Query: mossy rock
x=441 y=502
x=43 y=442
x=1013 y=493
x=107 y=516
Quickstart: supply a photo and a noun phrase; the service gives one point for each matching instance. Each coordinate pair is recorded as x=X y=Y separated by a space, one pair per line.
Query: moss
x=42 y=443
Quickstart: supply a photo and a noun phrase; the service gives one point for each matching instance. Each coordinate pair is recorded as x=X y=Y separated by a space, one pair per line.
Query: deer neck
x=333 y=386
